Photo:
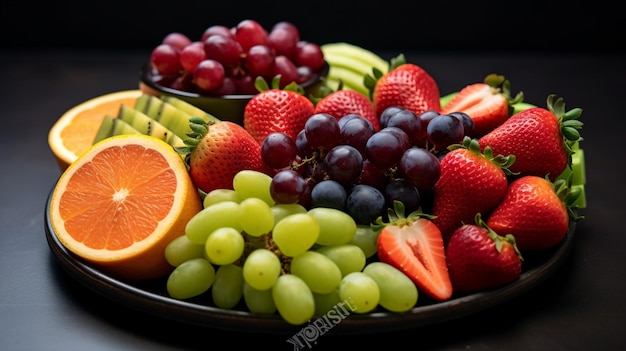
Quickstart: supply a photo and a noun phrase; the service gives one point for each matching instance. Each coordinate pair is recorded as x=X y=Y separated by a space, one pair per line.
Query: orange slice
x=121 y=202
x=75 y=130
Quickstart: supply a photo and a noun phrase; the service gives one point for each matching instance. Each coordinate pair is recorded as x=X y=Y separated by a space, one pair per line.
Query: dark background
x=480 y=25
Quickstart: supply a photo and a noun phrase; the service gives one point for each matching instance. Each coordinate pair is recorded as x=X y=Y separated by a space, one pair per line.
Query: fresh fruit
x=408 y=86
x=480 y=259
x=398 y=293
x=216 y=152
x=414 y=245
x=349 y=64
x=143 y=124
x=343 y=102
x=111 y=126
x=470 y=182
x=276 y=110
x=534 y=211
x=122 y=222
x=541 y=139
x=227 y=60
x=166 y=111
x=488 y=103
x=74 y=131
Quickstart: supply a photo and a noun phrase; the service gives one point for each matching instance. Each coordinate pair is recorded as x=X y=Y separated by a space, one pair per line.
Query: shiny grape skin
x=408 y=122
x=400 y=190
x=278 y=150
x=419 y=168
x=329 y=193
x=365 y=203
x=165 y=59
x=467 y=121
x=385 y=148
x=322 y=131
x=387 y=113
x=343 y=163
x=445 y=130
x=355 y=131
x=287 y=187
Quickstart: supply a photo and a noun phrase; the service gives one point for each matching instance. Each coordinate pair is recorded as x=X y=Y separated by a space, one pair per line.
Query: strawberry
x=277 y=110
x=470 y=182
x=342 y=102
x=218 y=151
x=408 y=86
x=534 y=211
x=480 y=259
x=415 y=246
x=541 y=139
x=489 y=103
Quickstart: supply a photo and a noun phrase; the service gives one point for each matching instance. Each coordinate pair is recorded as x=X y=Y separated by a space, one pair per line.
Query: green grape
x=319 y=272
x=258 y=301
x=348 y=257
x=397 y=292
x=227 y=288
x=261 y=269
x=220 y=195
x=360 y=292
x=181 y=249
x=293 y=299
x=219 y=215
x=296 y=233
x=191 y=278
x=365 y=238
x=326 y=302
x=224 y=246
x=336 y=226
x=248 y=183
x=256 y=216
x=281 y=211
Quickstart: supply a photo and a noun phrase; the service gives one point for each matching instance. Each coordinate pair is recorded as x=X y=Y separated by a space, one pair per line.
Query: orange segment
x=75 y=130
x=121 y=202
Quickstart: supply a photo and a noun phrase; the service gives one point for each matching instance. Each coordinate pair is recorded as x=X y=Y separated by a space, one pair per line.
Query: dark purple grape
x=343 y=163
x=400 y=190
x=425 y=118
x=304 y=149
x=328 y=193
x=385 y=147
x=365 y=203
x=467 y=121
x=343 y=119
x=278 y=150
x=387 y=113
x=322 y=131
x=408 y=122
x=444 y=130
x=287 y=187
x=419 y=168
x=355 y=131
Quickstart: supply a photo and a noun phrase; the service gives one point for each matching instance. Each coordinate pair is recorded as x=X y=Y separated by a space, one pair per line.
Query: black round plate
x=151 y=297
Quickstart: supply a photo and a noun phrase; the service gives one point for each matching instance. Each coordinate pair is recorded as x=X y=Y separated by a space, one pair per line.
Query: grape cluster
x=251 y=253
x=227 y=60
x=347 y=165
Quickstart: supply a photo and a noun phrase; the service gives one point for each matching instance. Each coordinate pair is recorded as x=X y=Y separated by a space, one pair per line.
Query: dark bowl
x=226 y=107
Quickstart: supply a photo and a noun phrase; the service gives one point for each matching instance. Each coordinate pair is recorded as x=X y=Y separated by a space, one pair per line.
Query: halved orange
x=75 y=130
x=121 y=202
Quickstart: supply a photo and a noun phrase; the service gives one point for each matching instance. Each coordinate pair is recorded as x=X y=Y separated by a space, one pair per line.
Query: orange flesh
x=78 y=135
x=128 y=206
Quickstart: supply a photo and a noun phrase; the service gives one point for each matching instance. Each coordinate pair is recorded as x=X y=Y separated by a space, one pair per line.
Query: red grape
x=164 y=59
x=209 y=75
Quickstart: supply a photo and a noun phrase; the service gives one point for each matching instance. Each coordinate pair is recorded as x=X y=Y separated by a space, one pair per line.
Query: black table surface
x=581 y=306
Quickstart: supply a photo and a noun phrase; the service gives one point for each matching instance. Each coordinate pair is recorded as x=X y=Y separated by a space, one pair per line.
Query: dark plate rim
x=151 y=302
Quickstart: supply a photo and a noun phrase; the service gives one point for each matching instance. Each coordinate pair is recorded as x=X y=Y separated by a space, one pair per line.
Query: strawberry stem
x=504 y=162
x=397 y=217
x=498 y=239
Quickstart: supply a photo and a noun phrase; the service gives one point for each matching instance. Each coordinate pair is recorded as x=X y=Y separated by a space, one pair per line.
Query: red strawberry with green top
x=277 y=110
x=540 y=138
x=480 y=259
x=342 y=102
x=217 y=151
x=535 y=211
x=406 y=85
x=470 y=182
x=414 y=245
x=489 y=103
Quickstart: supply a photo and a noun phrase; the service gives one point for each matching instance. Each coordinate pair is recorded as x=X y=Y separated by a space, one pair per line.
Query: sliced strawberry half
x=489 y=103
x=414 y=245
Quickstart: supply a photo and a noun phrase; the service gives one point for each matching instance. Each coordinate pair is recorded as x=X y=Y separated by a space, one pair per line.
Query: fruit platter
x=258 y=181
